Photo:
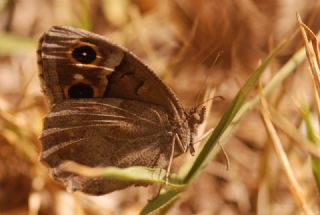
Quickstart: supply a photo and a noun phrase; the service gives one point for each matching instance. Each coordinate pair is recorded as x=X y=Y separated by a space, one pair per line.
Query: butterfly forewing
x=63 y=63
x=113 y=73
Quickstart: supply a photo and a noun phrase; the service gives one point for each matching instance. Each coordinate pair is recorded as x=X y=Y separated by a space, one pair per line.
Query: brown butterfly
x=106 y=109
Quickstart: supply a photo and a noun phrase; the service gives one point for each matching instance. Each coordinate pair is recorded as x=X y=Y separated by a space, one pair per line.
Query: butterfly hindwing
x=106 y=132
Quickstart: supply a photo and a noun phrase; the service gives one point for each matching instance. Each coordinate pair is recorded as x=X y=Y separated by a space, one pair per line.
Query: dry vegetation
x=189 y=44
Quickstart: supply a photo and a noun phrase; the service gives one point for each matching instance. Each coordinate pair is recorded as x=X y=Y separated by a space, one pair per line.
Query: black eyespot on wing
x=84 y=54
x=79 y=91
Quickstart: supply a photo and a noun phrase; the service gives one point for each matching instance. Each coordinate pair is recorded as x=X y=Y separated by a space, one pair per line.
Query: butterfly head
x=195 y=117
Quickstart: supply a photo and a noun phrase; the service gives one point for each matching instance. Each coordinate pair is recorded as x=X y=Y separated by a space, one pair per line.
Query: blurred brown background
x=189 y=44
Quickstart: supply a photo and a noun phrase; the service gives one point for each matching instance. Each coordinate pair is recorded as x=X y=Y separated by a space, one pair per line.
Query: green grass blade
x=130 y=174
x=85 y=21
x=312 y=136
x=316 y=171
x=309 y=127
x=201 y=158
x=161 y=203
x=191 y=169
x=12 y=44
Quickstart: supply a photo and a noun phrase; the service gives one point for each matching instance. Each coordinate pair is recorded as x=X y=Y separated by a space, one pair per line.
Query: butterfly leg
x=182 y=147
x=173 y=143
x=175 y=138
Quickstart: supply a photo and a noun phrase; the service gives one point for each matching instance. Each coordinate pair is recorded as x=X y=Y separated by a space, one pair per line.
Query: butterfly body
x=106 y=109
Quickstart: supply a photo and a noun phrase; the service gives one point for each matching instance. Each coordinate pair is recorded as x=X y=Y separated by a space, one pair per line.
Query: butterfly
x=107 y=108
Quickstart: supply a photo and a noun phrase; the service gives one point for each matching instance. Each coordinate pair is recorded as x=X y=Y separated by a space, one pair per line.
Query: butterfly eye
x=79 y=91
x=84 y=54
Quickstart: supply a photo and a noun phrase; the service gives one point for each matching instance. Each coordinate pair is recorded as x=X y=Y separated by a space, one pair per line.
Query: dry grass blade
x=313 y=137
x=13 y=131
x=318 y=107
x=317 y=95
x=310 y=128
x=294 y=186
x=314 y=41
x=191 y=45
x=281 y=122
x=312 y=55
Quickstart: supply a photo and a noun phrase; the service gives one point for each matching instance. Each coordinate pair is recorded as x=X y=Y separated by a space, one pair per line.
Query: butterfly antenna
x=204 y=136
x=209 y=99
x=205 y=81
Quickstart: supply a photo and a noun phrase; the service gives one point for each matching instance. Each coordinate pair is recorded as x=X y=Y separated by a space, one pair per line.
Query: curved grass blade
x=314 y=138
x=209 y=149
x=161 y=204
x=135 y=173
x=313 y=56
x=201 y=158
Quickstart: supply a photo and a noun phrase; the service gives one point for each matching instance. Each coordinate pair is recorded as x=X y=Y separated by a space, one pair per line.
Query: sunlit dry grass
x=180 y=40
